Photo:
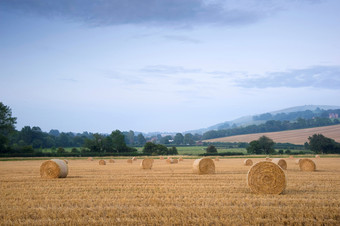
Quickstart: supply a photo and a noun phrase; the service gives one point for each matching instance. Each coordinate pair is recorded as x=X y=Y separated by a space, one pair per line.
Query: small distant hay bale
x=90 y=159
x=217 y=159
x=317 y=156
x=180 y=159
x=248 y=162
x=266 y=178
x=169 y=157
x=297 y=162
x=203 y=166
x=268 y=159
x=129 y=161
x=307 y=165
x=173 y=161
x=111 y=161
x=291 y=157
x=54 y=168
x=281 y=162
x=102 y=162
x=161 y=158
x=134 y=158
x=146 y=164
x=66 y=161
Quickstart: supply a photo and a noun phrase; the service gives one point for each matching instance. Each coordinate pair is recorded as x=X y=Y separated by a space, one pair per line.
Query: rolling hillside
x=299 y=136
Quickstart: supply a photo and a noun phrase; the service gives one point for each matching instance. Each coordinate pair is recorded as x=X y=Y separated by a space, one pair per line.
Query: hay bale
x=111 y=161
x=268 y=159
x=281 y=162
x=307 y=165
x=102 y=162
x=180 y=159
x=204 y=166
x=266 y=178
x=291 y=157
x=90 y=159
x=66 y=161
x=54 y=168
x=248 y=162
x=173 y=161
x=161 y=158
x=129 y=161
x=146 y=164
x=134 y=158
x=217 y=159
x=317 y=156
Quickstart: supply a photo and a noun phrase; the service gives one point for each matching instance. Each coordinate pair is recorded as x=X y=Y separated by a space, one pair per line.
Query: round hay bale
x=102 y=162
x=173 y=161
x=111 y=161
x=168 y=161
x=217 y=159
x=204 y=166
x=180 y=159
x=90 y=159
x=161 y=158
x=54 y=168
x=129 y=161
x=307 y=165
x=317 y=156
x=146 y=164
x=248 y=162
x=266 y=178
x=134 y=158
x=66 y=161
x=297 y=162
x=291 y=157
x=268 y=159
x=281 y=162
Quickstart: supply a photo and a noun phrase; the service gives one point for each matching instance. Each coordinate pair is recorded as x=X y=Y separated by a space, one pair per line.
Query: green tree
x=7 y=127
x=254 y=147
x=320 y=144
x=179 y=139
x=266 y=144
x=141 y=139
x=189 y=139
x=211 y=149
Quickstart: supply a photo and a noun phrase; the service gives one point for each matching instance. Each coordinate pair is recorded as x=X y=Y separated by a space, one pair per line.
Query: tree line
x=271 y=126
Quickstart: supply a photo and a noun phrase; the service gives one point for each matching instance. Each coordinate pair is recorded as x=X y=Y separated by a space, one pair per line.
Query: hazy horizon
x=172 y=65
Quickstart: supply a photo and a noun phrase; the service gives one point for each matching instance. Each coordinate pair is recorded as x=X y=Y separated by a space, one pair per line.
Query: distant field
x=299 y=136
x=122 y=194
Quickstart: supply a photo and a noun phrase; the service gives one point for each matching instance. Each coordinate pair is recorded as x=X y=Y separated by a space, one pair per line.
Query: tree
x=189 y=139
x=178 y=139
x=319 y=144
x=141 y=139
x=254 y=147
x=266 y=144
x=7 y=127
x=211 y=149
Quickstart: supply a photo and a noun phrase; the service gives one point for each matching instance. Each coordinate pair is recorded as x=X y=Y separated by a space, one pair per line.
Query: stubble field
x=123 y=194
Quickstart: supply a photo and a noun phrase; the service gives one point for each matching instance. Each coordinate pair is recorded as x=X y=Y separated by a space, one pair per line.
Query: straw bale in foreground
x=266 y=178
x=54 y=168
x=146 y=164
x=281 y=162
x=248 y=162
x=204 y=166
x=307 y=165
x=102 y=162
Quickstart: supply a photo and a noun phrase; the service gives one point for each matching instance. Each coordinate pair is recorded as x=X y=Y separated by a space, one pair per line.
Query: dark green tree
x=7 y=127
x=141 y=139
x=211 y=149
x=267 y=145
x=320 y=144
x=189 y=139
x=179 y=139
x=254 y=147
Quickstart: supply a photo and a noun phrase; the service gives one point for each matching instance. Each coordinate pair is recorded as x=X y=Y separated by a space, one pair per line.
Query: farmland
x=299 y=136
x=122 y=193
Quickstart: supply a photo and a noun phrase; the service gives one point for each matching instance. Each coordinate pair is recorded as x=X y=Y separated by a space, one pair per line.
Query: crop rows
x=122 y=193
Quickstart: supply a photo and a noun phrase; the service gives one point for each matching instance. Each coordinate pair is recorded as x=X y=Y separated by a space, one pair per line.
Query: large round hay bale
x=111 y=161
x=102 y=162
x=266 y=178
x=90 y=159
x=54 y=168
x=129 y=161
x=307 y=165
x=281 y=162
x=146 y=164
x=204 y=166
x=248 y=162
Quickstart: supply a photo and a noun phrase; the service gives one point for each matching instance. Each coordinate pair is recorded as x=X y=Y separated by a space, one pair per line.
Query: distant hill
x=249 y=120
x=299 y=136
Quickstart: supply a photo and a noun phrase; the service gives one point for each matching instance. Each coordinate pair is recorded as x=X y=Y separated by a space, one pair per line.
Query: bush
x=211 y=149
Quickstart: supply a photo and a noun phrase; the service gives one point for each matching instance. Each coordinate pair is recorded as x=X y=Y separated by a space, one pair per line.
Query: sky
x=164 y=65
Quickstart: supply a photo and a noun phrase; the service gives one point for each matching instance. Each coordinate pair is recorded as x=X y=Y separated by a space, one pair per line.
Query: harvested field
x=299 y=136
x=124 y=194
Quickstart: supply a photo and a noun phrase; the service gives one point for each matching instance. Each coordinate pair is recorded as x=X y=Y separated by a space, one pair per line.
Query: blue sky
x=170 y=65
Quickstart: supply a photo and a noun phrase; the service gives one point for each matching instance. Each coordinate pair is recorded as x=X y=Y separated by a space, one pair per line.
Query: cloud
x=180 y=38
x=163 y=69
x=177 y=13
x=326 y=77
